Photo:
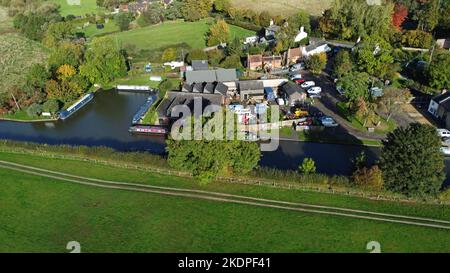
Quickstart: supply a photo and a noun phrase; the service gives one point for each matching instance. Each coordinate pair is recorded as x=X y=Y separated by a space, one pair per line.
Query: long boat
x=143 y=110
x=148 y=130
x=76 y=106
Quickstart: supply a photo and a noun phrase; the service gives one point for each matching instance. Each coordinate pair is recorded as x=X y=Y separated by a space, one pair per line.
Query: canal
x=105 y=122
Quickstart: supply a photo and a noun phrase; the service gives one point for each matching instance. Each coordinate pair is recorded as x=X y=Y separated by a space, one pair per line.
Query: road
x=230 y=198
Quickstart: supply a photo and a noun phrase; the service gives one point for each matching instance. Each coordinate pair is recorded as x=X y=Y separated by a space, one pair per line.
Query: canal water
x=105 y=122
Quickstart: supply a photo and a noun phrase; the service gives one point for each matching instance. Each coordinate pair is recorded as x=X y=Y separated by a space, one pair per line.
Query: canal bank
x=106 y=120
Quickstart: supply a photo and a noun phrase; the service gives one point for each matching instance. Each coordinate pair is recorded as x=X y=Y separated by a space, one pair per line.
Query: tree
x=169 y=54
x=264 y=18
x=417 y=38
x=51 y=106
x=342 y=64
x=152 y=15
x=316 y=63
x=350 y=19
x=104 y=61
x=196 y=54
x=34 y=110
x=66 y=53
x=58 y=32
x=399 y=16
x=222 y=5
x=355 y=85
x=123 y=20
x=233 y=61
x=412 y=162
x=218 y=33
x=392 y=97
x=308 y=166
x=37 y=76
x=194 y=10
x=373 y=56
x=438 y=71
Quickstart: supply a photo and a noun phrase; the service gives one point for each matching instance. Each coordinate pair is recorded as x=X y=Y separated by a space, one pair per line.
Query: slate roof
x=200 y=64
x=291 y=88
x=200 y=76
x=226 y=75
x=250 y=85
x=221 y=89
x=443 y=100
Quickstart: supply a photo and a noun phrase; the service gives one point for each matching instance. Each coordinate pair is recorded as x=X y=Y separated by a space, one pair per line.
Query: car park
x=299 y=81
x=308 y=84
x=314 y=90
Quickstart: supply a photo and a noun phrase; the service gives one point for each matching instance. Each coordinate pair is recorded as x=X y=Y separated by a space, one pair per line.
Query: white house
x=174 y=64
x=301 y=35
x=316 y=48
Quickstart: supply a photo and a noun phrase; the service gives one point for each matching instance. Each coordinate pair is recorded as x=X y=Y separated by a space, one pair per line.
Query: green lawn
x=40 y=214
x=86 y=6
x=23 y=116
x=92 y=30
x=171 y=33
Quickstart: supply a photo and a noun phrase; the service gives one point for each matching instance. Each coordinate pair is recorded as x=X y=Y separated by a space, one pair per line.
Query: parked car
x=328 y=121
x=443 y=133
x=296 y=67
x=299 y=81
x=308 y=84
x=295 y=77
x=340 y=90
x=314 y=90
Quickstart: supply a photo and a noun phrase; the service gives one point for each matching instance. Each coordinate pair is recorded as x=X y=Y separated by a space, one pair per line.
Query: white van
x=443 y=133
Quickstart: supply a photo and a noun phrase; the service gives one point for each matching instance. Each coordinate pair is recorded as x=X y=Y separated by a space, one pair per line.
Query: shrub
x=34 y=110
x=445 y=195
x=308 y=166
x=371 y=178
x=51 y=106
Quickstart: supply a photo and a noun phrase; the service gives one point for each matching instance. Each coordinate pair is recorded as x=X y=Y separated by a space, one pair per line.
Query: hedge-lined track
x=230 y=198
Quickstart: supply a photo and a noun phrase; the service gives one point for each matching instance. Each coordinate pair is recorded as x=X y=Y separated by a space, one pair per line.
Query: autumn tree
x=342 y=64
x=316 y=63
x=399 y=16
x=194 y=10
x=218 y=33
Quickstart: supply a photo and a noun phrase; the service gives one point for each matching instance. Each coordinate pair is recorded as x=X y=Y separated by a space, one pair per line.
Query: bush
x=417 y=38
x=445 y=195
x=308 y=166
x=51 y=106
x=34 y=110
x=370 y=178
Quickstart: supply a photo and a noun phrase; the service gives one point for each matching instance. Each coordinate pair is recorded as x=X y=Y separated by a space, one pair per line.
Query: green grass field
x=92 y=31
x=6 y=24
x=86 y=6
x=18 y=55
x=40 y=214
x=171 y=33
x=284 y=7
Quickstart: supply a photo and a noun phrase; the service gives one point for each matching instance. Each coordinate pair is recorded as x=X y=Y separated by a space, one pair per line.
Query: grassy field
x=92 y=30
x=174 y=32
x=43 y=215
x=18 y=55
x=86 y=6
x=284 y=7
x=6 y=24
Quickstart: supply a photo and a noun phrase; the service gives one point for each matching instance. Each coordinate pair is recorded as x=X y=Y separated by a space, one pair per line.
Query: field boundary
x=230 y=198
x=237 y=180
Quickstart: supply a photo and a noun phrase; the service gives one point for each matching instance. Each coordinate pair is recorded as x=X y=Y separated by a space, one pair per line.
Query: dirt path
x=230 y=198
